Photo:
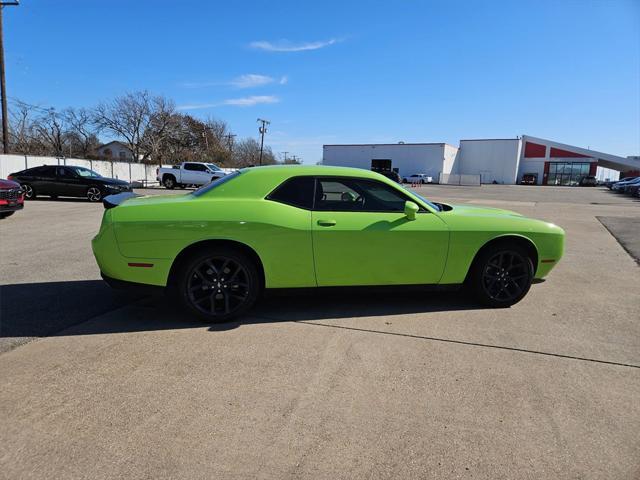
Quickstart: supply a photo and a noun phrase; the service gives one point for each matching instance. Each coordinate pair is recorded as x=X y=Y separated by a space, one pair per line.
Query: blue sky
x=346 y=72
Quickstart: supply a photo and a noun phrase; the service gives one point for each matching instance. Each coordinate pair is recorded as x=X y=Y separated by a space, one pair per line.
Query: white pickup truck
x=188 y=173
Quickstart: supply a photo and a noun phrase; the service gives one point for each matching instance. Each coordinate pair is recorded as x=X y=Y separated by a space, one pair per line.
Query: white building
x=504 y=161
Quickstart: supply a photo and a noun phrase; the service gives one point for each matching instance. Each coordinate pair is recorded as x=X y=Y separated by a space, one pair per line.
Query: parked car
x=613 y=182
x=67 y=181
x=316 y=226
x=189 y=173
x=588 y=181
x=620 y=186
x=418 y=178
x=11 y=198
x=529 y=179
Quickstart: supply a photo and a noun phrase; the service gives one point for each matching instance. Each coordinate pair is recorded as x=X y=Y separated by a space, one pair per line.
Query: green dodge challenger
x=282 y=227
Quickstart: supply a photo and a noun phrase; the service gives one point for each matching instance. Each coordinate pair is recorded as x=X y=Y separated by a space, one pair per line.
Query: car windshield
x=85 y=172
x=431 y=204
x=210 y=186
x=213 y=166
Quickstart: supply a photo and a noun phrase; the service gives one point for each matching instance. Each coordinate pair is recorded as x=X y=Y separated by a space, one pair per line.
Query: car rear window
x=210 y=186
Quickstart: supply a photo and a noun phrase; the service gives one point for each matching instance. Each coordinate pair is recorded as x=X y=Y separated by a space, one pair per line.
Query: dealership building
x=504 y=161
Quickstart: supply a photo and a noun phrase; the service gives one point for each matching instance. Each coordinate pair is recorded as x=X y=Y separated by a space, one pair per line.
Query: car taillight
x=157 y=171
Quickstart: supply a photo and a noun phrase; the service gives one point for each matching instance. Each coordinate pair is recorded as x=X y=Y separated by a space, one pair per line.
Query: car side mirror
x=410 y=210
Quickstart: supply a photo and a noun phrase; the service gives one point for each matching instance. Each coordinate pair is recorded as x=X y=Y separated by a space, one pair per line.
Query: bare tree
x=247 y=153
x=22 y=135
x=81 y=134
x=51 y=128
x=141 y=119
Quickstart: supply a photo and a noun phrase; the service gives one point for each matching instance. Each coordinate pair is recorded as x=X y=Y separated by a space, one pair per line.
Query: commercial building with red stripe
x=504 y=161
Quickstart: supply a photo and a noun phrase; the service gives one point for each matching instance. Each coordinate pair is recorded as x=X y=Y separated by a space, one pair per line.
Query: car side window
x=196 y=167
x=357 y=195
x=297 y=192
x=47 y=172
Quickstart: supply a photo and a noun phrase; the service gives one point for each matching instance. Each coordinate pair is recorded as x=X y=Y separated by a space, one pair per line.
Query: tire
x=6 y=214
x=29 y=191
x=169 y=182
x=501 y=275
x=94 y=194
x=229 y=298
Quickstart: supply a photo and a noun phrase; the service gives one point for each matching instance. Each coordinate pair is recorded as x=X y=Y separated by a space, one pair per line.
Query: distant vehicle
x=11 y=198
x=619 y=186
x=529 y=179
x=588 y=181
x=613 y=182
x=418 y=178
x=67 y=181
x=189 y=173
x=391 y=175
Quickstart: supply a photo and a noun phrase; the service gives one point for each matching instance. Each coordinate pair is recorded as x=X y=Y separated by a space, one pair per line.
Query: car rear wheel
x=94 y=194
x=29 y=192
x=6 y=214
x=169 y=182
x=501 y=275
x=218 y=284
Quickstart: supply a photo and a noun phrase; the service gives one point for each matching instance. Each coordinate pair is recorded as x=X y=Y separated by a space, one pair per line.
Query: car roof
x=257 y=182
x=330 y=170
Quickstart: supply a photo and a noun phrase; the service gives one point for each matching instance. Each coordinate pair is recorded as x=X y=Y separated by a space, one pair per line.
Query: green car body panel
x=140 y=239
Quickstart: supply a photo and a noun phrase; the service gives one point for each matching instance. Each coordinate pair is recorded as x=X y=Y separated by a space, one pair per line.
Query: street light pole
x=3 y=87
x=262 y=129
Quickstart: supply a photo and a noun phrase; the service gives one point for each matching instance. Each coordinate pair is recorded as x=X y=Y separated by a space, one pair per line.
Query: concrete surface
x=626 y=231
x=413 y=386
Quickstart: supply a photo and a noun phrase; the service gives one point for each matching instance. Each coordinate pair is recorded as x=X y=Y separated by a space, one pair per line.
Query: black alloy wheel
x=94 y=194
x=29 y=192
x=220 y=285
x=502 y=276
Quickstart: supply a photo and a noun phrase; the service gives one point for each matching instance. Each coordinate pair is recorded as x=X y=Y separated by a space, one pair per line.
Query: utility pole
x=3 y=87
x=230 y=137
x=285 y=156
x=262 y=129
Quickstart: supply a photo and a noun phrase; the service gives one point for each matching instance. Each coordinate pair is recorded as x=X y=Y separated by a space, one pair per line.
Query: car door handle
x=326 y=223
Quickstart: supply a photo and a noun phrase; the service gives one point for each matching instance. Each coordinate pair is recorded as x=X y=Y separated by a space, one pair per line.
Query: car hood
x=8 y=184
x=111 y=181
x=478 y=210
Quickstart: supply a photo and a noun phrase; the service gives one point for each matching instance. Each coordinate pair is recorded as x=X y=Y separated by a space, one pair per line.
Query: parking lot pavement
x=413 y=385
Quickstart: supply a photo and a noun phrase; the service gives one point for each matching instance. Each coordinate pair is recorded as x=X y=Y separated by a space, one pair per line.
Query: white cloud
x=235 y=102
x=252 y=100
x=251 y=80
x=287 y=46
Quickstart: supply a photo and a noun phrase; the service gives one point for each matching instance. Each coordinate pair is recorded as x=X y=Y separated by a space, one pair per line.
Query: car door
x=361 y=236
x=69 y=183
x=44 y=179
x=194 y=173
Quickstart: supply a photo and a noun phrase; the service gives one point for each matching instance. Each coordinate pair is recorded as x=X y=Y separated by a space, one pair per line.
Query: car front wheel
x=501 y=275
x=94 y=194
x=218 y=284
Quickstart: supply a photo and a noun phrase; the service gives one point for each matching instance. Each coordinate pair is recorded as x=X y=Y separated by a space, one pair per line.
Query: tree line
x=149 y=125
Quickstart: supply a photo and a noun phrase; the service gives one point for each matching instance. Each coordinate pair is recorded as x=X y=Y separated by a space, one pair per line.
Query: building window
x=567 y=173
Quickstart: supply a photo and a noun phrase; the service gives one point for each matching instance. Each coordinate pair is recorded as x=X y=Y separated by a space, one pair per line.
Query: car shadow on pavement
x=91 y=307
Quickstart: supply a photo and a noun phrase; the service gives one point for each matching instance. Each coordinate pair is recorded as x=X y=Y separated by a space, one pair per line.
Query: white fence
x=458 y=179
x=131 y=172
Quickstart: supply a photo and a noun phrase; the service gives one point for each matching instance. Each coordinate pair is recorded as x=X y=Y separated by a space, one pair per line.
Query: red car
x=11 y=198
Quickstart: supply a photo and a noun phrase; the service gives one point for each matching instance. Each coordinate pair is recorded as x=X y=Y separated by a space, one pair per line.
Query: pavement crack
x=472 y=344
